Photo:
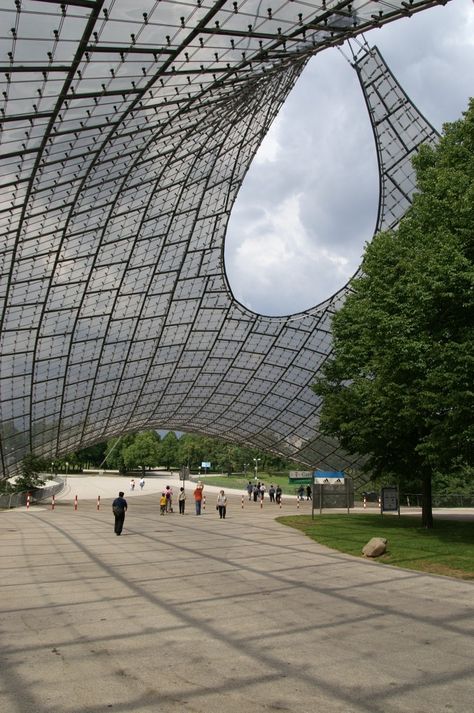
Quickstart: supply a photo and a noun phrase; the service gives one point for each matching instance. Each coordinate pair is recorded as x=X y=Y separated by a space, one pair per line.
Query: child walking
x=163 y=504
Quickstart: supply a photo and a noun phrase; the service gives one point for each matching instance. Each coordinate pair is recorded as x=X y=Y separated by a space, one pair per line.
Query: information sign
x=300 y=476
x=328 y=477
x=389 y=499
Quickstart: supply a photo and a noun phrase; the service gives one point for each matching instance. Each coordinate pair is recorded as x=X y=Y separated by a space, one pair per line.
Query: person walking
x=163 y=504
x=198 y=499
x=141 y=483
x=249 y=489
x=132 y=485
x=271 y=493
x=119 y=507
x=181 y=500
x=169 y=499
x=278 y=494
x=308 y=492
x=221 y=505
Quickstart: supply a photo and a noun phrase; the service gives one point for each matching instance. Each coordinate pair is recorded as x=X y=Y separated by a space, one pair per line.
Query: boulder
x=375 y=547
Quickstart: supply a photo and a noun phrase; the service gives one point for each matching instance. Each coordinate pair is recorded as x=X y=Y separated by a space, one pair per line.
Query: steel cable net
x=125 y=135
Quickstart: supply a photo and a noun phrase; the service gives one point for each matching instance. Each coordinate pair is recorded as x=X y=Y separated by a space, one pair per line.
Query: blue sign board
x=332 y=477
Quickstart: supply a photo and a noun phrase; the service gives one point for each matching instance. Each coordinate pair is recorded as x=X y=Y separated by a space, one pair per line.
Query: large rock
x=375 y=547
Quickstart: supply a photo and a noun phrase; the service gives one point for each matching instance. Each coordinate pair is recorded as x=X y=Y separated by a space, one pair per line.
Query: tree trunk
x=426 y=507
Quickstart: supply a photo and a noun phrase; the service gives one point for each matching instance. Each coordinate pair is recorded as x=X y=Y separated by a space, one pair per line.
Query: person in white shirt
x=222 y=504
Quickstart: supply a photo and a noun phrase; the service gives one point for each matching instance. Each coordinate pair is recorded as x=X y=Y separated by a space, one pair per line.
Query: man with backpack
x=119 y=507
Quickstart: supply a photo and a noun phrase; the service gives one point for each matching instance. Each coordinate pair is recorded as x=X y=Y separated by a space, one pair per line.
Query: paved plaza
x=186 y=613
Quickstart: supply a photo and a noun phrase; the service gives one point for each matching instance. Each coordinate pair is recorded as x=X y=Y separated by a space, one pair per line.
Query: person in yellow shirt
x=163 y=504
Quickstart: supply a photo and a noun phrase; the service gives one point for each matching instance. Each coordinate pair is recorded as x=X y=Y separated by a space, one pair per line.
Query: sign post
x=321 y=478
x=206 y=465
x=184 y=474
x=389 y=500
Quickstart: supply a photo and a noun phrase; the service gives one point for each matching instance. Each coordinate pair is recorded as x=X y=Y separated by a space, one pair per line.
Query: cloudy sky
x=309 y=201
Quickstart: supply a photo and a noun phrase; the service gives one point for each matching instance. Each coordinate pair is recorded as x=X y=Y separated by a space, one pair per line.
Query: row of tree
x=148 y=450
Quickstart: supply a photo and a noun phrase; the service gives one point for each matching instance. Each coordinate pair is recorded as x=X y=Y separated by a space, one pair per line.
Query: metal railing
x=15 y=500
x=454 y=500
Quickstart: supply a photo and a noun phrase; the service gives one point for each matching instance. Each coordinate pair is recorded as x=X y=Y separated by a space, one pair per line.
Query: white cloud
x=278 y=259
x=309 y=201
x=270 y=148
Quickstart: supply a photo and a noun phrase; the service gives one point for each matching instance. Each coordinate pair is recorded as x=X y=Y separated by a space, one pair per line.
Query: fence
x=455 y=500
x=14 y=500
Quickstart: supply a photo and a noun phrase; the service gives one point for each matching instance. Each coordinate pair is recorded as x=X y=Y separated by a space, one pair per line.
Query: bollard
x=53 y=502
x=365 y=502
x=203 y=502
x=297 y=502
x=27 y=501
x=242 y=502
x=261 y=503
x=98 y=502
x=280 y=503
x=75 y=502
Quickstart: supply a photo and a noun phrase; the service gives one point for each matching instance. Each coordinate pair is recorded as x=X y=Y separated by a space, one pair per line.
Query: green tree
x=31 y=468
x=143 y=452
x=169 y=447
x=193 y=449
x=92 y=455
x=114 y=452
x=398 y=388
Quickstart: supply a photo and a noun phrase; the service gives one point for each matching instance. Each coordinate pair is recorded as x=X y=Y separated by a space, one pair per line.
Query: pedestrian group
x=256 y=492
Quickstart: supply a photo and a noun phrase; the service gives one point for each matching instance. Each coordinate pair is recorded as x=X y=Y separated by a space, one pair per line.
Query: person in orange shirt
x=198 y=499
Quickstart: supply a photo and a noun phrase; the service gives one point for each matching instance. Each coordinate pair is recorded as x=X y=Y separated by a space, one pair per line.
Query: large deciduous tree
x=398 y=388
x=143 y=452
x=169 y=447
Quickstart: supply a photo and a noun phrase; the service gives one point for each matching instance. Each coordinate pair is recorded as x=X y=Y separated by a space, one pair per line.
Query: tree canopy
x=143 y=452
x=146 y=449
x=398 y=388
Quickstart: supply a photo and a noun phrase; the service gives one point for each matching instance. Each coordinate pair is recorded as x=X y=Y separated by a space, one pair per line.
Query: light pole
x=256 y=461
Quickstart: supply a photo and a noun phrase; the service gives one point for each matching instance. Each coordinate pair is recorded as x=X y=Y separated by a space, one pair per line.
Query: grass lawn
x=448 y=549
x=240 y=483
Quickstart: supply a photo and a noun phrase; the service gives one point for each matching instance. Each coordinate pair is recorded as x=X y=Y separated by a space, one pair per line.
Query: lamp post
x=256 y=461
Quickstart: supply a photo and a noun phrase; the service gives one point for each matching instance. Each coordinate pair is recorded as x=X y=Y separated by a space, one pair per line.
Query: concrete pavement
x=186 y=613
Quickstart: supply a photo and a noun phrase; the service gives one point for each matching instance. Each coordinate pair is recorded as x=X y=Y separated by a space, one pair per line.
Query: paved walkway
x=186 y=613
